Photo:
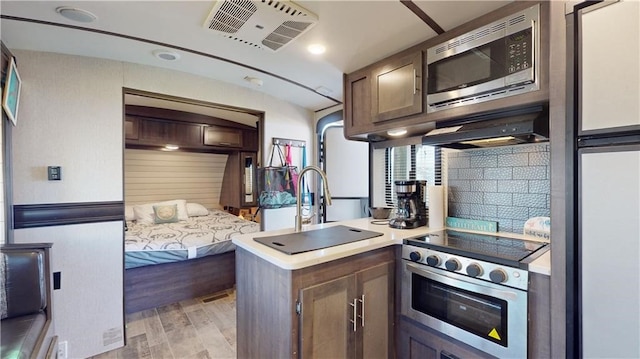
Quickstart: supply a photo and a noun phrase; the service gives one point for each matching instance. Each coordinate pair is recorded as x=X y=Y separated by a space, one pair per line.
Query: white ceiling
x=356 y=33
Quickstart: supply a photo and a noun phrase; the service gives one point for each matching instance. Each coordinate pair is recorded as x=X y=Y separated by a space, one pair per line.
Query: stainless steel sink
x=299 y=242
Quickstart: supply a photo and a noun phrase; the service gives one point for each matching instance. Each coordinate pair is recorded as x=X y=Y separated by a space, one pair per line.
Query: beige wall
x=71 y=116
x=3 y=238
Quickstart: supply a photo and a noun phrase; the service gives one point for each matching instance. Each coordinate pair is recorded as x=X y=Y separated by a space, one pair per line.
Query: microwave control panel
x=519 y=51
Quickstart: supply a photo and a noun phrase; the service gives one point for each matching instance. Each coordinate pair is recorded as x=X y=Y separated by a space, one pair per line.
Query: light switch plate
x=54 y=173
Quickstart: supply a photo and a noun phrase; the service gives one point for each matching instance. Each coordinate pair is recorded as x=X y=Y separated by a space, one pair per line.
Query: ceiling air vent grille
x=284 y=33
x=231 y=16
x=265 y=24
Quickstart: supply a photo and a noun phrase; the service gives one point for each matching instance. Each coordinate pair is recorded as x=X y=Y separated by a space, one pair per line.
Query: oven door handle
x=417 y=269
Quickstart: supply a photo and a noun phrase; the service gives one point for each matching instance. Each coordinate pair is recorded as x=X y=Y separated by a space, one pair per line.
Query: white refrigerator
x=607 y=140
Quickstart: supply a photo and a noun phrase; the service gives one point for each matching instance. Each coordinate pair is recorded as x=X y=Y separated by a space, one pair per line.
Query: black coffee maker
x=412 y=208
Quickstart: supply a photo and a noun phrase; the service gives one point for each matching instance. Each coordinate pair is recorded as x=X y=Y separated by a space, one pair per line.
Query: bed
x=169 y=262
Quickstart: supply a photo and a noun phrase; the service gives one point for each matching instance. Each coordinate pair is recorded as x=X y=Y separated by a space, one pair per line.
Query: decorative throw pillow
x=129 y=215
x=144 y=212
x=166 y=213
x=196 y=209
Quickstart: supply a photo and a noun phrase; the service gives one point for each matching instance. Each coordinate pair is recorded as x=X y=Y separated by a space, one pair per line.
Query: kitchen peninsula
x=320 y=303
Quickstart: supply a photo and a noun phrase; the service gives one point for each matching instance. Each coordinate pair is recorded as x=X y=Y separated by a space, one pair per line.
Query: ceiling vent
x=263 y=24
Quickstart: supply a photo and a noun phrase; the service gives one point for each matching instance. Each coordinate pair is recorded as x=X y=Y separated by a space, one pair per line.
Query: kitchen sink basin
x=299 y=242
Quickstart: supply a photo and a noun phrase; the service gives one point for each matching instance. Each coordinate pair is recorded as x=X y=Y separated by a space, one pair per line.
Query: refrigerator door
x=609 y=251
x=347 y=168
x=609 y=67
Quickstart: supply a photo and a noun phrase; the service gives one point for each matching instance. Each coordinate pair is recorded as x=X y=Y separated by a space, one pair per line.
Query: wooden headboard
x=154 y=176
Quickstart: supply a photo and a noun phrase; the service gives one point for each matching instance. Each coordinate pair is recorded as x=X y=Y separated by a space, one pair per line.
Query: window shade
x=414 y=162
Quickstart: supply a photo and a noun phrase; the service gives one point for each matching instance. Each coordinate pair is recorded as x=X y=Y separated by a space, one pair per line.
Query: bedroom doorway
x=199 y=155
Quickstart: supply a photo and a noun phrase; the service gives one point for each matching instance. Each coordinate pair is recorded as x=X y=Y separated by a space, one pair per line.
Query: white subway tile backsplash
x=530 y=200
x=513 y=212
x=483 y=161
x=501 y=173
x=504 y=199
x=513 y=160
x=484 y=186
x=470 y=173
x=504 y=184
x=513 y=186
x=530 y=173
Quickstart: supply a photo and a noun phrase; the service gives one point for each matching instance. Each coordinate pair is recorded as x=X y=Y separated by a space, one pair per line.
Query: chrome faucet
x=299 y=193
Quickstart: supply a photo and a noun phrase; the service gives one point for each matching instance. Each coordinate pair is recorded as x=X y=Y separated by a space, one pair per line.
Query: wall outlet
x=62 y=350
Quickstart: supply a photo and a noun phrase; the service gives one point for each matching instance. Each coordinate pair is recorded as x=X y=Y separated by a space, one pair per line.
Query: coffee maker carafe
x=412 y=208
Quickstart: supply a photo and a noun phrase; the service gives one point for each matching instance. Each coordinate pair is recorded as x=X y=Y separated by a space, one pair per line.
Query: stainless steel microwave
x=494 y=61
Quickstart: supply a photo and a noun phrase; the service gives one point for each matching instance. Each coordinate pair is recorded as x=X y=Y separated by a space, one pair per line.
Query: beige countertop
x=390 y=236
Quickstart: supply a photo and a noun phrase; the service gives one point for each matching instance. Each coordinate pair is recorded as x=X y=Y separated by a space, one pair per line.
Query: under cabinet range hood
x=494 y=130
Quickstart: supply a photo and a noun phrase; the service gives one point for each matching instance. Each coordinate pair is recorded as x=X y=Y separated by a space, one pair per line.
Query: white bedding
x=147 y=243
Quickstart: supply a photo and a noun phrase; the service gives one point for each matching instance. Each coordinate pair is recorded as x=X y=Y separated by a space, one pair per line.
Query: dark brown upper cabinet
x=223 y=136
x=169 y=133
x=397 y=87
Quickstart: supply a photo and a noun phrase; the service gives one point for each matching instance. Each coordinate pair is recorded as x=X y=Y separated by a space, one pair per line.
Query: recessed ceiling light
x=396 y=133
x=316 y=49
x=75 y=14
x=166 y=55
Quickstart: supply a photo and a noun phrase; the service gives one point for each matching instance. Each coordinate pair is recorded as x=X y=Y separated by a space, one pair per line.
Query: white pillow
x=196 y=209
x=144 y=212
x=128 y=213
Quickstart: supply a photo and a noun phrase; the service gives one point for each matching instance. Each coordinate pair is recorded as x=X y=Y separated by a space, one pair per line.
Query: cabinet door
x=357 y=103
x=131 y=128
x=397 y=88
x=327 y=327
x=222 y=136
x=167 y=132
x=375 y=286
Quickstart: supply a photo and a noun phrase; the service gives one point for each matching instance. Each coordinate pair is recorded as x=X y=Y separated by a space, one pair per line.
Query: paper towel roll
x=436 y=207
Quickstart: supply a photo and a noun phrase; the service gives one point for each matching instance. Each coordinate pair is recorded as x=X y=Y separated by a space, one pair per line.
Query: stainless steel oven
x=470 y=287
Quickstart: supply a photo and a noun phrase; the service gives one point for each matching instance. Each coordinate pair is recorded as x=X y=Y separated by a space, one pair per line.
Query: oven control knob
x=452 y=264
x=415 y=256
x=498 y=275
x=433 y=260
x=474 y=270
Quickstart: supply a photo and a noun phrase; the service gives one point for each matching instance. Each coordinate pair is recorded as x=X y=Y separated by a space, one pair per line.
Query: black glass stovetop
x=486 y=247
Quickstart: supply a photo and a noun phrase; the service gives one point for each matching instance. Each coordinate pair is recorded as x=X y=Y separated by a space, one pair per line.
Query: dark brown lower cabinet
x=417 y=341
x=339 y=309
x=348 y=317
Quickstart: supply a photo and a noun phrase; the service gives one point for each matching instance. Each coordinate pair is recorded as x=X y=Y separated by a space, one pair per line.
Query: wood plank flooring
x=197 y=328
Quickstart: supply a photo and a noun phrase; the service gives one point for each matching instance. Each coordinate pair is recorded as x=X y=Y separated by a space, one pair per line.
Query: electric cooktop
x=487 y=247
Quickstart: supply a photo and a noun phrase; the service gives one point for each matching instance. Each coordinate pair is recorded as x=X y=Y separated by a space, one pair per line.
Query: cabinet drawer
x=222 y=136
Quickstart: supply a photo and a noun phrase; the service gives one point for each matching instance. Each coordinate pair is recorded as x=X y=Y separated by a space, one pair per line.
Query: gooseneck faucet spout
x=327 y=194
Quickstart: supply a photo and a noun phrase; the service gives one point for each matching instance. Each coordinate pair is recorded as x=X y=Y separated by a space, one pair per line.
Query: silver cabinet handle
x=362 y=310
x=355 y=314
x=415 y=82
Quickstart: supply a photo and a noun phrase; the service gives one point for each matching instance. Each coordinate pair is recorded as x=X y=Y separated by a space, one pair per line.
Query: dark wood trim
x=7 y=157
x=59 y=214
x=175 y=115
x=134 y=38
x=423 y=16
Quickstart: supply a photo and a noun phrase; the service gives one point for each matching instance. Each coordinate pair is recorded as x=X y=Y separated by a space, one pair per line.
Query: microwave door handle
x=533 y=49
x=417 y=270
x=415 y=82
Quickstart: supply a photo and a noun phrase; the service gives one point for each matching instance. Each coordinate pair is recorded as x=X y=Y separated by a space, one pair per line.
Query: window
x=414 y=162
